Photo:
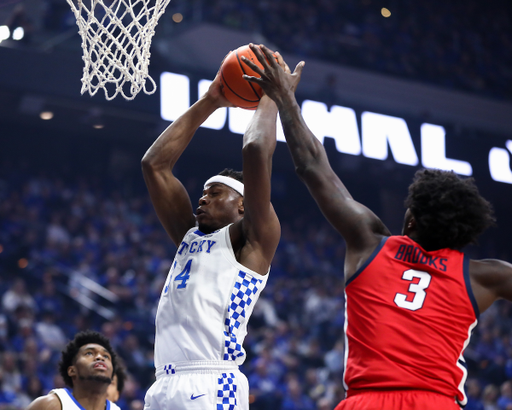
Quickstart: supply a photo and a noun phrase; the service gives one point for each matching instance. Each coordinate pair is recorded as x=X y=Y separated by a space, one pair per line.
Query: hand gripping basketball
x=235 y=88
x=274 y=77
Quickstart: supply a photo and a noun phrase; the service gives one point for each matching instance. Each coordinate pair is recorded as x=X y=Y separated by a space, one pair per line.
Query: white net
x=116 y=38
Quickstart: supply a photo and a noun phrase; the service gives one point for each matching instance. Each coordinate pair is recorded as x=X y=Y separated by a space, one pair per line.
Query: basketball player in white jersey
x=87 y=366
x=224 y=253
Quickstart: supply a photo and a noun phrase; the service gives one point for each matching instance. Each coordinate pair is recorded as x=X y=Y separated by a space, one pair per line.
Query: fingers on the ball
x=252 y=66
x=269 y=55
x=280 y=59
x=251 y=79
x=299 y=67
x=259 y=54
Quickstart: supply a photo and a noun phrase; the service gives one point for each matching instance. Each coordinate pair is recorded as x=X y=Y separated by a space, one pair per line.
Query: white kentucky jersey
x=206 y=302
x=69 y=402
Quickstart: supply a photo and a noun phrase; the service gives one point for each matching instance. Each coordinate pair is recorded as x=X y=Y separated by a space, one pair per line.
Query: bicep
x=491 y=279
x=171 y=202
x=260 y=223
x=503 y=280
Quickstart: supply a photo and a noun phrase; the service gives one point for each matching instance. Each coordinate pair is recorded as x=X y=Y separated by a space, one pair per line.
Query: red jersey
x=408 y=318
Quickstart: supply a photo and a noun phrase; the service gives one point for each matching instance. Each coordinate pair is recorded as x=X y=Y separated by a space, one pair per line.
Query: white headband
x=230 y=182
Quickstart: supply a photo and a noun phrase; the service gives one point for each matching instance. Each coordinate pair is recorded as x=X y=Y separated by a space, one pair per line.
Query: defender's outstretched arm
x=360 y=227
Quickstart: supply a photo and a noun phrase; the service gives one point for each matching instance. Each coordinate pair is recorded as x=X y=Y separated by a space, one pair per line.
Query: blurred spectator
x=17 y=296
x=334 y=358
x=293 y=398
x=473 y=391
x=264 y=386
x=47 y=299
x=11 y=380
x=490 y=397
x=505 y=399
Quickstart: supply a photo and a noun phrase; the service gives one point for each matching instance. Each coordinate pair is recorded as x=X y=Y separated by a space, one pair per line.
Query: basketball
x=238 y=91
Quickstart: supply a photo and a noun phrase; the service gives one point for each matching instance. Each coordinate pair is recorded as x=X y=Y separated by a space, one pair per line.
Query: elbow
x=307 y=170
x=148 y=162
x=254 y=148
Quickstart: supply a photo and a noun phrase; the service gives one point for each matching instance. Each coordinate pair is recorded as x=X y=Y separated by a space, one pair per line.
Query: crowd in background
x=460 y=44
x=55 y=234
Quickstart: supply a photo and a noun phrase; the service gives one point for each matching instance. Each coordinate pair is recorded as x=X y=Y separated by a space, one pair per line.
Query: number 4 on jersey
x=184 y=275
x=417 y=288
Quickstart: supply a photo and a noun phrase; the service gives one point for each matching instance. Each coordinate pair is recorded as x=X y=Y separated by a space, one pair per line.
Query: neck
x=91 y=396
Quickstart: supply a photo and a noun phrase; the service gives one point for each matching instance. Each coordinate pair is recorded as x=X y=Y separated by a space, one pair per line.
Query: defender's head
x=222 y=202
x=88 y=357
x=445 y=211
x=115 y=389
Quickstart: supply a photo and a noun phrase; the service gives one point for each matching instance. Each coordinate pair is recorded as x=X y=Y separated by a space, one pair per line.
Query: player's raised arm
x=360 y=227
x=259 y=230
x=170 y=199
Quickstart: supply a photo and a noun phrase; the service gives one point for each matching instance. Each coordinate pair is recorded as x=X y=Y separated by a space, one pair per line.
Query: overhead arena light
x=4 y=33
x=18 y=33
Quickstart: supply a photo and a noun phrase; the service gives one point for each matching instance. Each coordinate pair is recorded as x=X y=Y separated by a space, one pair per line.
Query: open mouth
x=100 y=366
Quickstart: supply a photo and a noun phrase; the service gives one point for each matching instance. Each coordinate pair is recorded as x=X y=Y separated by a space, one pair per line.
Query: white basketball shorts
x=198 y=385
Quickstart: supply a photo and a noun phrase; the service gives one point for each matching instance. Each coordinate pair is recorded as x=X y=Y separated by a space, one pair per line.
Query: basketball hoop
x=116 y=38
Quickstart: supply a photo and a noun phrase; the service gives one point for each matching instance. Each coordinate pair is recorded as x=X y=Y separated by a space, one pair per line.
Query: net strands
x=116 y=40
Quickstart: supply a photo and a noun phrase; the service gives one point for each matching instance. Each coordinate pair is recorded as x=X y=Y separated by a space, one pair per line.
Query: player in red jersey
x=413 y=300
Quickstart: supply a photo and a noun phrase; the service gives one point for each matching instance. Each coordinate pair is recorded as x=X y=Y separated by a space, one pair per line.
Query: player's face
x=219 y=206
x=92 y=363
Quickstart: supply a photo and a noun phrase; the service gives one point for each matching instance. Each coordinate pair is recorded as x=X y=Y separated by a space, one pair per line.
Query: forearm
x=261 y=132
x=169 y=146
x=305 y=149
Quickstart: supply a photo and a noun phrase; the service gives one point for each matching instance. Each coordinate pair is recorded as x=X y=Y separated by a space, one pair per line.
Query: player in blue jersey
x=87 y=366
x=225 y=248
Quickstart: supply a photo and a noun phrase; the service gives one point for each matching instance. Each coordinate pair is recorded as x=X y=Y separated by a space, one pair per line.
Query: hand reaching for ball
x=273 y=74
x=235 y=88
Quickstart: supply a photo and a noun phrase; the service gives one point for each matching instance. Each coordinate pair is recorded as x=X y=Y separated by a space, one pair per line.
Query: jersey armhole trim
x=73 y=398
x=368 y=261
x=231 y=258
x=467 y=280
x=60 y=400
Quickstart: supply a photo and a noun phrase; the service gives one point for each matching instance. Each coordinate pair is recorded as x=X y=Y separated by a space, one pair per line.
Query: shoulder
x=48 y=402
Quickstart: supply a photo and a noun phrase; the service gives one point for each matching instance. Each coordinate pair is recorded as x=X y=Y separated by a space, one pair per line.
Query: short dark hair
x=71 y=350
x=449 y=211
x=228 y=172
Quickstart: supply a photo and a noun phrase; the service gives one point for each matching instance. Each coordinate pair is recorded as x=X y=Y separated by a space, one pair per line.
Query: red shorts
x=398 y=400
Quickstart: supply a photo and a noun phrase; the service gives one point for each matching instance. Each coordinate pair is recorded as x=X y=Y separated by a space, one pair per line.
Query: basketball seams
x=236 y=89
x=226 y=84
x=243 y=71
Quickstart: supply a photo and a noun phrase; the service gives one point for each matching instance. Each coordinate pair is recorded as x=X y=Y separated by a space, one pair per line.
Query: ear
x=411 y=225
x=71 y=371
x=241 y=208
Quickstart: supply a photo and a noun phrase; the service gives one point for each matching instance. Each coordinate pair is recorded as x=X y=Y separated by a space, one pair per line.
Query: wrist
x=286 y=101
x=211 y=100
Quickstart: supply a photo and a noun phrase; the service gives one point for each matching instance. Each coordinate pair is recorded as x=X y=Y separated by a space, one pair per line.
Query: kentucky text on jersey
x=413 y=254
x=196 y=246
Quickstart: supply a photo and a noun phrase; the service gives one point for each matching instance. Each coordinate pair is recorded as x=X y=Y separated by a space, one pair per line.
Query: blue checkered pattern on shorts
x=242 y=296
x=169 y=369
x=226 y=395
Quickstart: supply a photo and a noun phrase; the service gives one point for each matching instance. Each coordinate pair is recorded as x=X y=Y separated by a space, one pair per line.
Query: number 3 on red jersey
x=417 y=288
